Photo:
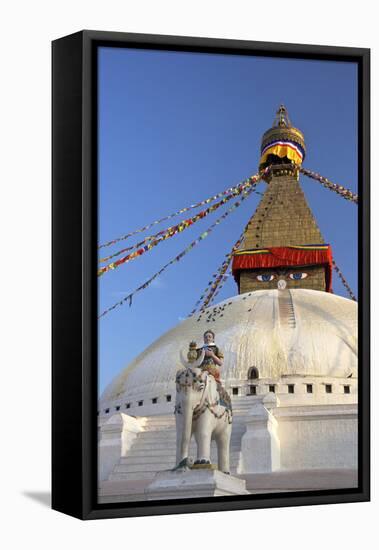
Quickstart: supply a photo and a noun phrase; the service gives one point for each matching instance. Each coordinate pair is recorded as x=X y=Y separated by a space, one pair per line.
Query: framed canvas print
x=210 y=275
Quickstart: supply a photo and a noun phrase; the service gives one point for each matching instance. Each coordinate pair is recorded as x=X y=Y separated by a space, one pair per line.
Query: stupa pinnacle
x=283 y=246
x=282 y=143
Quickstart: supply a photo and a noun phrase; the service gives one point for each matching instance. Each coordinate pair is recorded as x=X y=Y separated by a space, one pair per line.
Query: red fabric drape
x=285 y=256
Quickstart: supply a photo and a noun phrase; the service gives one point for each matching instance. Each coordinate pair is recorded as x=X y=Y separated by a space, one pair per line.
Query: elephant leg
x=180 y=452
x=179 y=430
x=203 y=442
x=223 y=449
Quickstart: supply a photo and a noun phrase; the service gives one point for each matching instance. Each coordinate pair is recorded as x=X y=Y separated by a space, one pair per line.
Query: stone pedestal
x=194 y=483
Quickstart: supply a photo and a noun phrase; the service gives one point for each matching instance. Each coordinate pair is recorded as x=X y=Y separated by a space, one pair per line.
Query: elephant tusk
x=196 y=364
x=193 y=364
x=183 y=361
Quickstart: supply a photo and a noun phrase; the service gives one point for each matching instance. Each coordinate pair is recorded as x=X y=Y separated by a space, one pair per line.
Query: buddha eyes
x=266 y=277
x=298 y=276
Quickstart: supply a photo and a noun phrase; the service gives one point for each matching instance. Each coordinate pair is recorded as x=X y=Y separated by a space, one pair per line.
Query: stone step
x=236 y=427
x=164 y=443
x=148 y=447
x=141 y=475
x=154 y=450
x=150 y=424
x=132 y=476
x=144 y=463
x=156 y=432
x=160 y=417
x=141 y=460
x=162 y=466
x=121 y=470
x=154 y=467
x=151 y=459
x=160 y=422
x=138 y=452
x=159 y=425
x=156 y=438
x=167 y=428
x=170 y=439
x=160 y=456
x=159 y=466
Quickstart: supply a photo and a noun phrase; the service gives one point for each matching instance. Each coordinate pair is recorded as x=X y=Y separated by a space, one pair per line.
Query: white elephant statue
x=198 y=411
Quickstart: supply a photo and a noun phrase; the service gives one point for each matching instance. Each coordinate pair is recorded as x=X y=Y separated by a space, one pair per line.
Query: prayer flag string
x=343 y=280
x=197 y=205
x=218 y=278
x=169 y=232
x=342 y=191
x=177 y=258
x=214 y=287
x=221 y=284
x=214 y=282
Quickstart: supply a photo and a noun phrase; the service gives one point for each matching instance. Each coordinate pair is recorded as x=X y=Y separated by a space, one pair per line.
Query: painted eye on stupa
x=298 y=276
x=266 y=277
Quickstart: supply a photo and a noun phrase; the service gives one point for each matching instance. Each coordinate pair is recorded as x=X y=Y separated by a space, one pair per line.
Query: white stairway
x=154 y=450
x=286 y=310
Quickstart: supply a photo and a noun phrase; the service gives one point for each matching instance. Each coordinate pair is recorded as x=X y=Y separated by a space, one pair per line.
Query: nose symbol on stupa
x=282 y=284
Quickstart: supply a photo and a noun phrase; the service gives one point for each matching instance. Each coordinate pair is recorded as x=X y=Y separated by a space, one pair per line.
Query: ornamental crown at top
x=282 y=143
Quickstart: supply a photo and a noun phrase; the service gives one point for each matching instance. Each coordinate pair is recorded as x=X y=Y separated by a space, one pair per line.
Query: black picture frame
x=74 y=333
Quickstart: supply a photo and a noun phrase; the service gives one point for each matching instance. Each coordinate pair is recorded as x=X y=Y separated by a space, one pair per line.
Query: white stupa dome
x=296 y=332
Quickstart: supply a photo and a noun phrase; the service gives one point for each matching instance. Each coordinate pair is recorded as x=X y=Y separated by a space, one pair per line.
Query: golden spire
x=282 y=240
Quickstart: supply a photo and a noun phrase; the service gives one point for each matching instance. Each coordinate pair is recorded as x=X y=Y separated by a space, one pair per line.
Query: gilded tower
x=283 y=246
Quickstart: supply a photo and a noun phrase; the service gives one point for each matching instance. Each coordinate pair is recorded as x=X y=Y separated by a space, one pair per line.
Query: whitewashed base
x=194 y=483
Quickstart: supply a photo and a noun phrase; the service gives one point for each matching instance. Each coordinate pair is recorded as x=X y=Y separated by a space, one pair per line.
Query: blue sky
x=177 y=127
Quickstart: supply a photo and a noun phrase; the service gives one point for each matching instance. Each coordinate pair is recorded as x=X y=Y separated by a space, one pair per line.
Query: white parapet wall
x=318 y=437
x=299 y=438
x=115 y=439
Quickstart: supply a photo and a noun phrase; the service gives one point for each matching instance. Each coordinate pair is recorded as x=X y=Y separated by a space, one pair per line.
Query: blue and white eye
x=266 y=277
x=298 y=276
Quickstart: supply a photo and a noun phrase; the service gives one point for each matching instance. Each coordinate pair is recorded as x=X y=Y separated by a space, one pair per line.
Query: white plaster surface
x=325 y=437
x=322 y=344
